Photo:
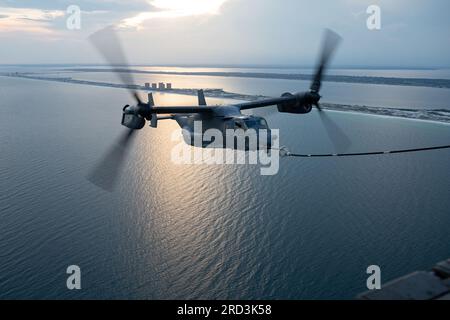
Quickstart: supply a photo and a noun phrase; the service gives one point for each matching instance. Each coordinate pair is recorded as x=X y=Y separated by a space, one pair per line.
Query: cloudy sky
x=414 y=33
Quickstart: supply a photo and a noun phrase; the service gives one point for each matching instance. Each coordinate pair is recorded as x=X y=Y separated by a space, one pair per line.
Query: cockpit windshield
x=256 y=122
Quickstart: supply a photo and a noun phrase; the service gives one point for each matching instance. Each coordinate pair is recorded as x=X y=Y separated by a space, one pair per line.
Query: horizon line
x=249 y=66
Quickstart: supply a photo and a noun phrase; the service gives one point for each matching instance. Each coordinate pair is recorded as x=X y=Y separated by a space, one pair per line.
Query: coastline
x=393 y=81
x=430 y=115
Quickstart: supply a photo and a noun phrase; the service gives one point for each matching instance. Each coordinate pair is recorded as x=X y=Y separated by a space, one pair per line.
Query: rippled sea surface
x=196 y=231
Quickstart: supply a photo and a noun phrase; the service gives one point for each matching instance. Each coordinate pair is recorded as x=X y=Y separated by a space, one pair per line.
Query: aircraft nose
x=268 y=143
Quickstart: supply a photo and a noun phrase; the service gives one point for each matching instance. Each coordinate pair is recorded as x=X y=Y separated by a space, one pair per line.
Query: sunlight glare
x=174 y=9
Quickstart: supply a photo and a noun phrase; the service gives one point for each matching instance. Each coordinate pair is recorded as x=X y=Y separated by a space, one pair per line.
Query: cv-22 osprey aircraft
x=222 y=118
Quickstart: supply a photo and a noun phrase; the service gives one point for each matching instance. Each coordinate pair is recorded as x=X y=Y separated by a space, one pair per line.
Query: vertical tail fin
x=151 y=102
x=154 y=116
x=201 y=98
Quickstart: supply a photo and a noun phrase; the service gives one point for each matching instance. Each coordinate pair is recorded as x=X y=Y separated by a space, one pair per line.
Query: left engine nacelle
x=131 y=118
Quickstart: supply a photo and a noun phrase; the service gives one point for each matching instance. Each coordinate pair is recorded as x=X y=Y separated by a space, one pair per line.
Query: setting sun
x=174 y=9
x=189 y=6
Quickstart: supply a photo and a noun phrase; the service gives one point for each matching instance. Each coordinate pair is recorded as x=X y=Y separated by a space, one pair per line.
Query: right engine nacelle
x=300 y=105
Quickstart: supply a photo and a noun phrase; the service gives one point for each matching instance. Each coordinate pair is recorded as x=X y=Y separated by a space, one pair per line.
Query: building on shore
x=158 y=86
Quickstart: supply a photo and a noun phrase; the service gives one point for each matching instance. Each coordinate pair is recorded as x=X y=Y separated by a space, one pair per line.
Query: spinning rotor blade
x=106 y=172
x=339 y=139
x=330 y=42
x=108 y=45
x=329 y=45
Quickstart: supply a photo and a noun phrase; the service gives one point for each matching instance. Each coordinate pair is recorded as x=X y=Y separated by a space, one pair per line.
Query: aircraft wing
x=181 y=109
x=264 y=103
x=206 y=109
x=201 y=108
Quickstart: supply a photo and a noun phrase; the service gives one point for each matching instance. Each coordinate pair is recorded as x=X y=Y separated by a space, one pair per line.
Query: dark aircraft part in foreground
x=221 y=118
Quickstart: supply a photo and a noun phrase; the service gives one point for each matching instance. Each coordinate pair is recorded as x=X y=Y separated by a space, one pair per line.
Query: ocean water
x=213 y=232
